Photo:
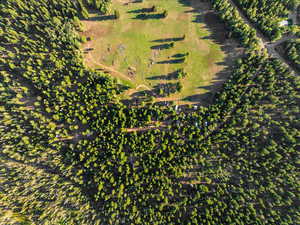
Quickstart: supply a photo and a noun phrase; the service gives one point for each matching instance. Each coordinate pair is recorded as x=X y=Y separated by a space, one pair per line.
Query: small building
x=283 y=23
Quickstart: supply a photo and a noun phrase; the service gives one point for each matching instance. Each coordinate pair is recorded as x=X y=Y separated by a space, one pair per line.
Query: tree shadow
x=179 y=55
x=144 y=16
x=164 y=103
x=169 y=76
x=163 y=46
x=191 y=11
x=203 y=13
x=218 y=34
x=197 y=19
x=99 y=16
x=218 y=31
x=158 y=91
x=87 y=50
x=102 y=18
x=143 y=10
x=205 y=99
x=121 y=88
x=170 y=39
x=158 y=77
x=172 y=61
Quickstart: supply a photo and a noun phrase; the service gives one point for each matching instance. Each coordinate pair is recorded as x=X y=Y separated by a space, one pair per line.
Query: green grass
x=130 y=42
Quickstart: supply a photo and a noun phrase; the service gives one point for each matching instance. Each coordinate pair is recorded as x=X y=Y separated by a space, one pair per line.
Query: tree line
x=67 y=158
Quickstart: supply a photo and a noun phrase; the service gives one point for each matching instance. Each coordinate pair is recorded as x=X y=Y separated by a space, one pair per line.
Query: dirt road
x=265 y=43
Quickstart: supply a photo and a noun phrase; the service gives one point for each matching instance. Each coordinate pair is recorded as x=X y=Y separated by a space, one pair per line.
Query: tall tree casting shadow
x=144 y=16
x=172 y=61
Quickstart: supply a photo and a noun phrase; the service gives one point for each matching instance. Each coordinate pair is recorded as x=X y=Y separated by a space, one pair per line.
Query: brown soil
x=91 y=31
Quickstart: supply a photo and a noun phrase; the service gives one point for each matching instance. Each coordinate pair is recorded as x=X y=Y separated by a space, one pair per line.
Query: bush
x=164 y=14
x=181 y=73
x=117 y=14
x=83 y=39
x=179 y=87
x=154 y=9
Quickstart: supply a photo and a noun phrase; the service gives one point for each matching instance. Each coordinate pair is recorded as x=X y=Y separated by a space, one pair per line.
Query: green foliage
x=292 y=51
x=164 y=13
x=67 y=155
x=266 y=15
x=102 y=5
x=154 y=9
x=117 y=14
x=235 y=23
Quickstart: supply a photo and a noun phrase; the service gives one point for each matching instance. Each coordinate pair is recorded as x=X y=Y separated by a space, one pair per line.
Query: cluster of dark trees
x=163 y=90
x=82 y=6
x=151 y=13
x=266 y=14
x=292 y=51
x=66 y=156
x=235 y=24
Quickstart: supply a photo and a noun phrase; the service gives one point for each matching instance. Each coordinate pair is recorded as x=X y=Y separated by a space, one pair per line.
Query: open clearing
x=134 y=50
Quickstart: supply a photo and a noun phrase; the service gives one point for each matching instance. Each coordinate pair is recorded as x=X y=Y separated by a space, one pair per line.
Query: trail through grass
x=137 y=47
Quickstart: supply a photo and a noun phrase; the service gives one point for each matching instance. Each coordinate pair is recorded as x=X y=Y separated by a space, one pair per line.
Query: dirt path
x=139 y=129
x=109 y=69
x=113 y=71
x=266 y=44
x=131 y=91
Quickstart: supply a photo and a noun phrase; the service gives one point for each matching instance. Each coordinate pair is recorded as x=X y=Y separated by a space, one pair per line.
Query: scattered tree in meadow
x=68 y=146
x=117 y=14
x=164 y=14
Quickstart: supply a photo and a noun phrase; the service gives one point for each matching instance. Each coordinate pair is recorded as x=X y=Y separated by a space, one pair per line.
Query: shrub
x=164 y=14
x=117 y=14
x=83 y=39
x=179 y=87
x=154 y=9
x=181 y=74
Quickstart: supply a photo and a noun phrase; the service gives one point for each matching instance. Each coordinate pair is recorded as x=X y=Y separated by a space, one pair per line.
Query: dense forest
x=236 y=26
x=292 y=51
x=266 y=14
x=67 y=156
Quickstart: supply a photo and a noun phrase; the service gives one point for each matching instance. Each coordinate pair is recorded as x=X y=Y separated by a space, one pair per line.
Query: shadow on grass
x=191 y=11
x=162 y=46
x=198 y=19
x=172 y=61
x=185 y=2
x=179 y=55
x=102 y=18
x=121 y=88
x=203 y=98
x=159 y=90
x=169 y=39
x=144 y=16
x=218 y=34
x=143 y=10
x=202 y=13
x=169 y=76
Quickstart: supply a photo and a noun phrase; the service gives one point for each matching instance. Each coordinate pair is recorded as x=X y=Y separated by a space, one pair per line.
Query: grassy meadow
x=136 y=47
